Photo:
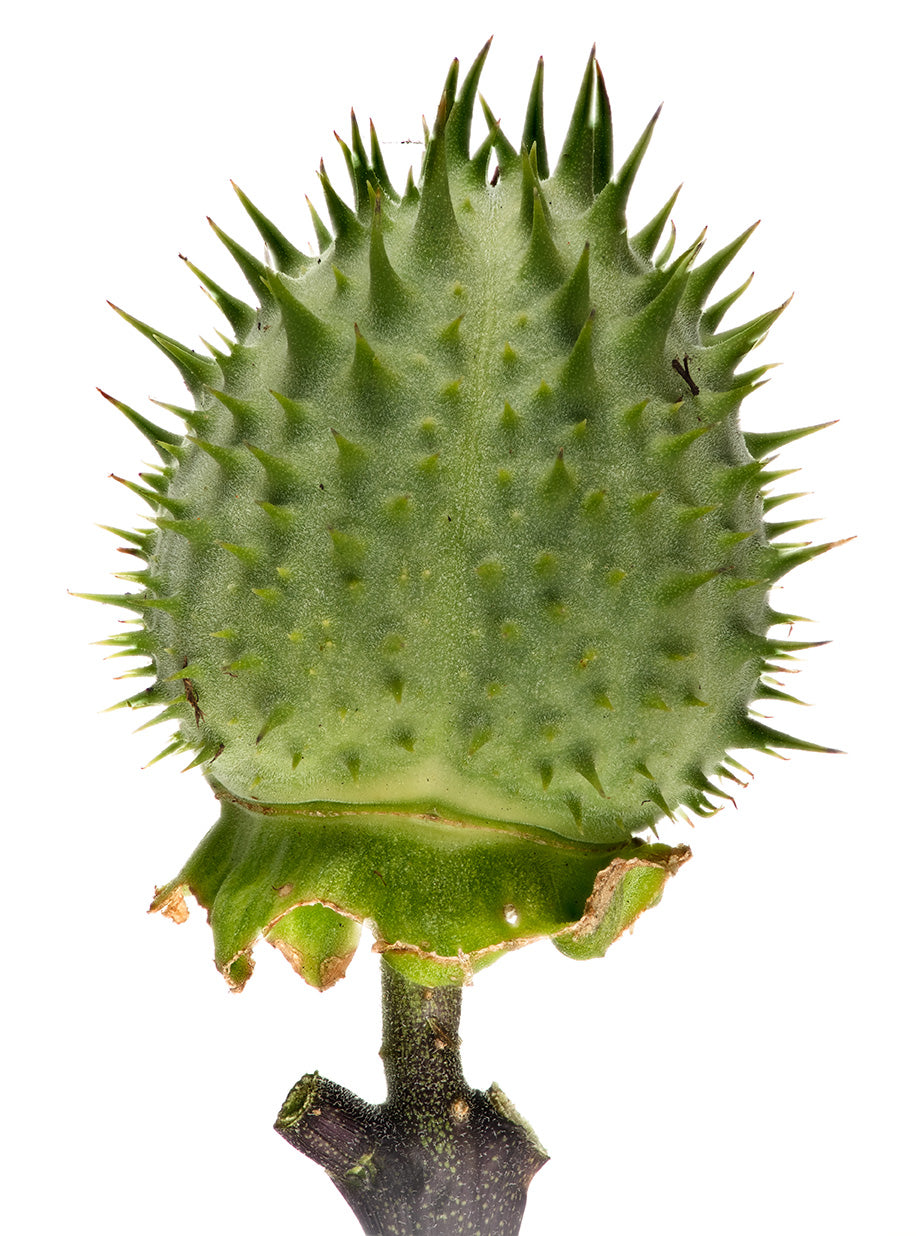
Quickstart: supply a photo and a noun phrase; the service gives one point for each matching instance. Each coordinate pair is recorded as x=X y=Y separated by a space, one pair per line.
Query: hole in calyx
x=510 y=914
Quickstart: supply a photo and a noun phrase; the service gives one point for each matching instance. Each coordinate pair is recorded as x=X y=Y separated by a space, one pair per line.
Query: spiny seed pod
x=457 y=580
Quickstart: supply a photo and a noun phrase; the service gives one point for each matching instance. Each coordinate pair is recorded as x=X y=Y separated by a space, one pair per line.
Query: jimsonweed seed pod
x=457 y=577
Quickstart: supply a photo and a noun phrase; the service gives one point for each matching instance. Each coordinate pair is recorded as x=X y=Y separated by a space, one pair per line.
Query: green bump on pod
x=456 y=579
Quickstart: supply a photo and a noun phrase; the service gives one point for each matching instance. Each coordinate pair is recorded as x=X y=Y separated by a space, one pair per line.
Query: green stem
x=436 y=1158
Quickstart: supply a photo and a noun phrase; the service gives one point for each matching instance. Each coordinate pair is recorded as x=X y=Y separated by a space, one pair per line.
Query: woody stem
x=436 y=1157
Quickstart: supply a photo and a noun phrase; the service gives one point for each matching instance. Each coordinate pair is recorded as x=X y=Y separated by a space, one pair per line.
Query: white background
x=741 y=1064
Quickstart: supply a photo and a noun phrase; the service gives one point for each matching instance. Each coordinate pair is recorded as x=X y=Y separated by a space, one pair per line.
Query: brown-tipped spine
x=289 y=259
x=437 y=236
x=153 y=433
x=533 y=134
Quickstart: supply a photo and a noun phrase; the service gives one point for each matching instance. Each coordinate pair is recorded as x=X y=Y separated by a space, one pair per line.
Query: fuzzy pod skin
x=457 y=580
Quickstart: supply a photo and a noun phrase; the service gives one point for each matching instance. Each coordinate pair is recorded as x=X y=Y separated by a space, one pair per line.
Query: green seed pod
x=458 y=580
